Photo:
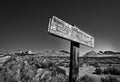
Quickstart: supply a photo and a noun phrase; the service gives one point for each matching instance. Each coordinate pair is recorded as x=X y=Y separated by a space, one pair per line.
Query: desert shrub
x=109 y=79
x=15 y=70
x=27 y=73
x=85 y=78
x=106 y=71
x=109 y=70
x=9 y=71
x=59 y=78
x=98 y=71
x=52 y=76
x=112 y=71
x=24 y=69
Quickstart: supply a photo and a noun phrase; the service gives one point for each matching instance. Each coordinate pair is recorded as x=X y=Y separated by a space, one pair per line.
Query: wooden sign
x=76 y=36
x=62 y=29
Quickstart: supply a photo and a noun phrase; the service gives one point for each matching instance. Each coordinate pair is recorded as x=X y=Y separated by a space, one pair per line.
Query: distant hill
x=91 y=54
x=102 y=54
x=88 y=54
x=63 y=51
x=55 y=53
x=4 y=53
x=50 y=53
x=111 y=52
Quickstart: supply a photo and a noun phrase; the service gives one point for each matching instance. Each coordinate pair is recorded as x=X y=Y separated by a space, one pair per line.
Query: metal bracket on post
x=74 y=68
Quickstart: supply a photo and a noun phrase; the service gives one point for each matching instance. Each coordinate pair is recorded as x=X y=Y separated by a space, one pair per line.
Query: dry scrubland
x=39 y=68
x=99 y=69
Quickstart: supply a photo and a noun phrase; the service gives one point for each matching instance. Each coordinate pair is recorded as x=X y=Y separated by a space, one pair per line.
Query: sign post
x=64 y=30
x=74 y=69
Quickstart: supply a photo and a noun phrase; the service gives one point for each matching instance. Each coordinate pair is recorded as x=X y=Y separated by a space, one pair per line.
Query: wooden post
x=74 y=68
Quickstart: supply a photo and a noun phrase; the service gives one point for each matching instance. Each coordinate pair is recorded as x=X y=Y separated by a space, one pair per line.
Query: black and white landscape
x=29 y=52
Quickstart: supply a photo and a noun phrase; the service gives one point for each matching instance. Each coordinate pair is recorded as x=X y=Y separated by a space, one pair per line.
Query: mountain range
x=102 y=54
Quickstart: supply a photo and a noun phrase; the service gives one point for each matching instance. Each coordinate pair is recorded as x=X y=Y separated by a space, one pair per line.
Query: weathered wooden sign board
x=67 y=31
x=72 y=33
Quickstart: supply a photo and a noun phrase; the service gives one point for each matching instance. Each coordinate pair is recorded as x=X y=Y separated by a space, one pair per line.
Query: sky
x=24 y=24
